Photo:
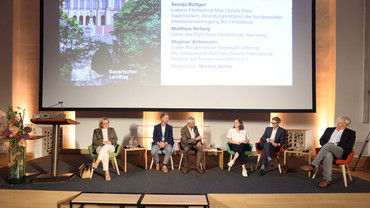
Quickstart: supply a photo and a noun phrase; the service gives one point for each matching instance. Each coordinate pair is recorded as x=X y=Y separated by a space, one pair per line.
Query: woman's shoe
x=93 y=166
x=231 y=163
x=107 y=177
x=244 y=173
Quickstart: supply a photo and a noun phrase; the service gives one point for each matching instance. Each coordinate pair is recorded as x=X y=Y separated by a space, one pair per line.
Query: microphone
x=52 y=115
x=61 y=106
x=59 y=103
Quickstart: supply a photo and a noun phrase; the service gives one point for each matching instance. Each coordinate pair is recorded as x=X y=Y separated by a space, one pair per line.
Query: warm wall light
x=325 y=75
x=25 y=59
x=149 y=120
x=274 y=115
x=69 y=132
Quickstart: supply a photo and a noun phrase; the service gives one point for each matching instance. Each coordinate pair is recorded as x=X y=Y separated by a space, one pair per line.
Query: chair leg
x=258 y=160
x=344 y=174
x=92 y=170
x=278 y=163
x=171 y=162
x=315 y=172
x=231 y=158
x=115 y=164
x=250 y=163
x=180 y=161
x=151 y=164
x=349 y=173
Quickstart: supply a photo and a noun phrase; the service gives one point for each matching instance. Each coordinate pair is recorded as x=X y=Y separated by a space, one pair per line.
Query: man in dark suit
x=190 y=139
x=162 y=140
x=336 y=143
x=272 y=140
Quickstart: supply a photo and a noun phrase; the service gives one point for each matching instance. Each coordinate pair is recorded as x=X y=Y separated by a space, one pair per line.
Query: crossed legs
x=327 y=153
x=103 y=155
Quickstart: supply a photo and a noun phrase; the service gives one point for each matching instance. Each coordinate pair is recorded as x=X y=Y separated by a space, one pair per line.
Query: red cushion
x=346 y=161
x=272 y=153
x=340 y=161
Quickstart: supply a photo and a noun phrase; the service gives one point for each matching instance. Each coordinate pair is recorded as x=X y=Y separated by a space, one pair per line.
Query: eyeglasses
x=105 y=123
x=273 y=123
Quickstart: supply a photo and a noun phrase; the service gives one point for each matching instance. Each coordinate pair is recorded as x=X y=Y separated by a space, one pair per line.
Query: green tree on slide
x=75 y=48
x=137 y=28
x=71 y=40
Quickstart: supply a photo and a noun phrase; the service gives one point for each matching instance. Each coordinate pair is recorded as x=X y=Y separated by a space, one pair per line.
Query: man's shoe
x=157 y=167
x=198 y=169
x=307 y=168
x=262 y=172
x=231 y=163
x=185 y=170
x=324 y=183
x=164 y=169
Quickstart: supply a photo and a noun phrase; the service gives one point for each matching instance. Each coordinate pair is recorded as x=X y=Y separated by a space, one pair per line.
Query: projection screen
x=204 y=55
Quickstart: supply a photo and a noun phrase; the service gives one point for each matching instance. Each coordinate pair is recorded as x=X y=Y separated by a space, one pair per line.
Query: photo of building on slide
x=104 y=42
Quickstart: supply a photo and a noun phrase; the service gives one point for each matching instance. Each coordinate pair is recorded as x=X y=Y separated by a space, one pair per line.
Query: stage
x=213 y=180
x=223 y=188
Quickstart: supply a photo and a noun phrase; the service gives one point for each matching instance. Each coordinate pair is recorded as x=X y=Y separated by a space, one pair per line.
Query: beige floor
x=60 y=199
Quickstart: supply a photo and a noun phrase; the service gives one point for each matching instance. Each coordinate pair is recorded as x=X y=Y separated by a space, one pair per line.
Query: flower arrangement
x=13 y=127
x=14 y=135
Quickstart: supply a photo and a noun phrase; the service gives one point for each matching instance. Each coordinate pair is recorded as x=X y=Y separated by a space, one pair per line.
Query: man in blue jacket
x=272 y=140
x=162 y=140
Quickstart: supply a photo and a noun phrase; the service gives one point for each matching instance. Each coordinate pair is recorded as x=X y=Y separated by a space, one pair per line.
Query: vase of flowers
x=14 y=135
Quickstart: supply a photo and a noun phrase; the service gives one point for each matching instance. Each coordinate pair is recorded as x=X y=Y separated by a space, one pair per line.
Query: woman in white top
x=239 y=143
x=104 y=142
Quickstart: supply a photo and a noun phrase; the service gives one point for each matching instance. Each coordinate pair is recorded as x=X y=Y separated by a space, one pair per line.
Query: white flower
x=6 y=144
x=14 y=129
x=22 y=143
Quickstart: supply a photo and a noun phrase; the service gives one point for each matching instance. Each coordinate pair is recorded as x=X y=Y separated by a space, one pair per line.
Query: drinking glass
x=130 y=143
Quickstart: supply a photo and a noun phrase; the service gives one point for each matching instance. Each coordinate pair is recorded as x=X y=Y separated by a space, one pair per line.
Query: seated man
x=191 y=140
x=336 y=143
x=272 y=140
x=162 y=139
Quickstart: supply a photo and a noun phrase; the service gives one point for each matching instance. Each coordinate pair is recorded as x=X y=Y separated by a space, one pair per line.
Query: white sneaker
x=244 y=173
x=231 y=163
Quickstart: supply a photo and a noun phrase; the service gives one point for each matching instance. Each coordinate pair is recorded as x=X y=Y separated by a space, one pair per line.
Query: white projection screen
x=203 y=55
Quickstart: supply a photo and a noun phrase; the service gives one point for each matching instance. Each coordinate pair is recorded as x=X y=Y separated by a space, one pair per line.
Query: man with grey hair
x=190 y=139
x=336 y=142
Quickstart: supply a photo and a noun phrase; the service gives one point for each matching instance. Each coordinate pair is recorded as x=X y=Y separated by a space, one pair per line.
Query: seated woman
x=239 y=143
x=104 y=142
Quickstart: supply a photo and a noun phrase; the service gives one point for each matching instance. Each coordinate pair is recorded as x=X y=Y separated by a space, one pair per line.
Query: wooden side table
x=163 y=200
x=287 y=154
x=220 y=155
x=142 y=157
x=106 y=199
